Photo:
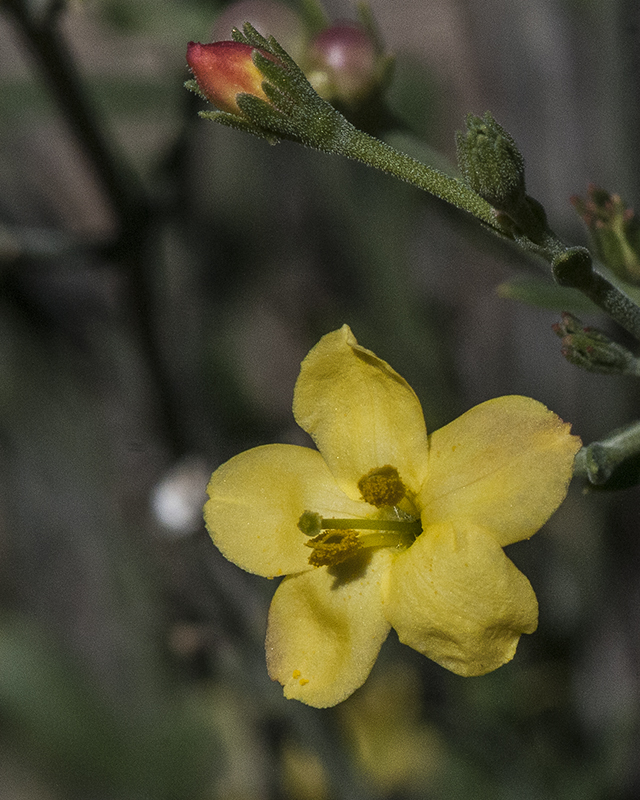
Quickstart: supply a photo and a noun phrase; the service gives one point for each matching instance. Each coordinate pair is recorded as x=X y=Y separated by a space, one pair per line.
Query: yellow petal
x=326 y=628
x=360 y=412
x=505 y=465
x=455 y=597
x=256 y=500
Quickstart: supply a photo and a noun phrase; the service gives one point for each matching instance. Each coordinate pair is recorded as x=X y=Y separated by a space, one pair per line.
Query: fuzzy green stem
x=573 y=268
x=359 y=146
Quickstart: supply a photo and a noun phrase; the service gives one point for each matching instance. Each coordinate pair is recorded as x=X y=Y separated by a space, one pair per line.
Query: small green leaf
x=541 y=294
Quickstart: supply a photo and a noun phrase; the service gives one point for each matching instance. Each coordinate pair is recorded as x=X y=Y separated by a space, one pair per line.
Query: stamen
x=382 y=487
x=309 y=520
x=333 y=547
x=337 y=540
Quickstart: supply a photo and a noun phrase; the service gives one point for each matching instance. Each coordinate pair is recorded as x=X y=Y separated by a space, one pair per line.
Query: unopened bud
x=592 y=349
x=223 y=70
x=491 y=163
x=615 y=231
x=344 y=64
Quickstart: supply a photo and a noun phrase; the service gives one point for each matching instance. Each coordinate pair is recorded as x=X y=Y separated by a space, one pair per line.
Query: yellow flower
x=407 y=529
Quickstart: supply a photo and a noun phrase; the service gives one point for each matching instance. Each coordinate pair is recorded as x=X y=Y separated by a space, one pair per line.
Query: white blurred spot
x=178 y=498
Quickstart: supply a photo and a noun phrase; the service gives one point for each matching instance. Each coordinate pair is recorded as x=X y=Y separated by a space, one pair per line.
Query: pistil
x=336 y=540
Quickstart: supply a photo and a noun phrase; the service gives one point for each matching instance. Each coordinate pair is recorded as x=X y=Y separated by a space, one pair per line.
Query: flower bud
x=615 y=232
x=344 y=64
x=225 y=69
x=592 y=349
x=491 y=163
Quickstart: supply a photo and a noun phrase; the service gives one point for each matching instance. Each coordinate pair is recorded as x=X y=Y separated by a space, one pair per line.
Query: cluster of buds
x=593 y=350
x=333 y=101
x=614 y=230
x=260 y=89
x=343 y=63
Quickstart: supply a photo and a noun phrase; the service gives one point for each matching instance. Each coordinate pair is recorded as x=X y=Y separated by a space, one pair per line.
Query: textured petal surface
x=225 y=69
x=455 y=597
x=256 y=500
x=326 y=628
x=360 y=412
x=505 y=464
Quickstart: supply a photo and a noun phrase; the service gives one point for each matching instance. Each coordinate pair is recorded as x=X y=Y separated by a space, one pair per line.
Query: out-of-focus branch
x=131 y=205
x=57 y=68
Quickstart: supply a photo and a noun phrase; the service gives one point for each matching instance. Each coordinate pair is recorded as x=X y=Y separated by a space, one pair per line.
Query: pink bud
x=225 y=69
x=343 y=63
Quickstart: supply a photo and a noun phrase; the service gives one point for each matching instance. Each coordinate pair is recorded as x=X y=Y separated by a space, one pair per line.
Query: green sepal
x=264 y=116
x=239 y=124
x=192 y=86
x=276 y=74
x=238 y=36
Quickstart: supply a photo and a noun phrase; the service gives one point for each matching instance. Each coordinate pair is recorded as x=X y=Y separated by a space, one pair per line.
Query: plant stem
x=574 y=269
x=359 y=146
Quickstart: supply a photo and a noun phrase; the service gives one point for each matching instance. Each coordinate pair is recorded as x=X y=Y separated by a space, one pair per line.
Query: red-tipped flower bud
x=225 y=69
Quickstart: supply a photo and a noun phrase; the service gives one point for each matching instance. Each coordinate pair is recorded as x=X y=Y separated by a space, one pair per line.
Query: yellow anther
x=333 y=547
x=382 y=487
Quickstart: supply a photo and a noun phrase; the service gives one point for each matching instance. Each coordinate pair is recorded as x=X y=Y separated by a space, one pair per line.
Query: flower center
x=336 y=540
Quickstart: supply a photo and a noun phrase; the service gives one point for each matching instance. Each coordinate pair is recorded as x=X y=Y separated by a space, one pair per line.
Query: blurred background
x=161 y=278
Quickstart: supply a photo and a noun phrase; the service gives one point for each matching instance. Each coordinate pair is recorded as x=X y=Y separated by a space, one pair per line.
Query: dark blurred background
x=161 y=279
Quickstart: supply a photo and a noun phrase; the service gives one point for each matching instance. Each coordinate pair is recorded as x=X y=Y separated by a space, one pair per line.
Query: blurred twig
x=132 y=206
x=57 y=69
